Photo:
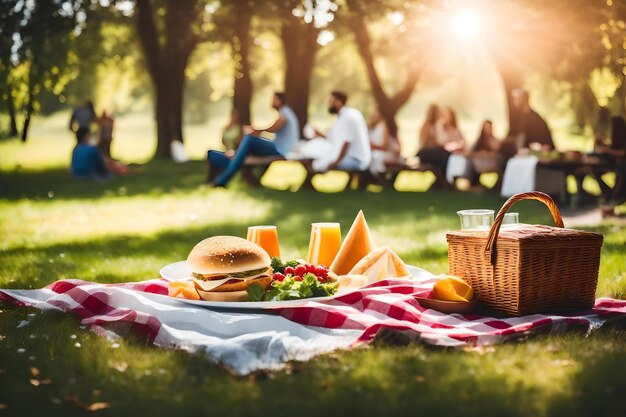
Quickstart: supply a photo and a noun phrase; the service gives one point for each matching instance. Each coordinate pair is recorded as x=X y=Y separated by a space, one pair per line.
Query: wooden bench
x=254 y=167
x=393 y=169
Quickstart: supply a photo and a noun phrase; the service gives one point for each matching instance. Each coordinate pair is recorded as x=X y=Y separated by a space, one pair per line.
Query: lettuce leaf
x=255 y=292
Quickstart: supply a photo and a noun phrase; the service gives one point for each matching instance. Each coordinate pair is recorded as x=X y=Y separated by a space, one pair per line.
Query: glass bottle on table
x=266 y=237
x=324 y=243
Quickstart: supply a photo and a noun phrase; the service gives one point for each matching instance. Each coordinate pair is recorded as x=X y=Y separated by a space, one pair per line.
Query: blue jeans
x=250 y=145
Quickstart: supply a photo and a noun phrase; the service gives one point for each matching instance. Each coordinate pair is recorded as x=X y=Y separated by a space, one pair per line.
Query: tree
x=46 y=35
x=388 y=104
x=10 y=17
x=234 y=20
x=300 y=25
x=168 y=33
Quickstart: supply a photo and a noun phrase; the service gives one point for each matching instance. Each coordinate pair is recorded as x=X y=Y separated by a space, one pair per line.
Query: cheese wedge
x=183 y=289
x=357 y=244
x=381 y=264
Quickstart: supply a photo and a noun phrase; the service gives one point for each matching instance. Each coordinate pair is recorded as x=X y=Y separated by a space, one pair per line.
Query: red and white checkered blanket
x=351 y=318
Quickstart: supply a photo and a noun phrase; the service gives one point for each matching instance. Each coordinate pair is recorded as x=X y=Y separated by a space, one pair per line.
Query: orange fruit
x=451 y=288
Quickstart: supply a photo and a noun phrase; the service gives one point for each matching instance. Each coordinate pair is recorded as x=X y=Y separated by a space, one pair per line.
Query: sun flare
x=466 y=25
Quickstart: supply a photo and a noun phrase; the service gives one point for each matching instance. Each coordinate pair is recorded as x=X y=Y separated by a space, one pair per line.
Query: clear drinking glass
x=510 y=219
x=476 y=219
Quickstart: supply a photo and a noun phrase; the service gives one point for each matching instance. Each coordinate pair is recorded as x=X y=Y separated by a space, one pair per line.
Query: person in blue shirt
x=287 y=134
x=87 y=160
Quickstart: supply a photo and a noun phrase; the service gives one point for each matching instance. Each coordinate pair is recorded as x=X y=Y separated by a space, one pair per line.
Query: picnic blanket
x=246 y=341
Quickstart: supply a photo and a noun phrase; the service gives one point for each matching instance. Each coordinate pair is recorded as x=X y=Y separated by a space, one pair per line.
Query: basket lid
x=523 y=232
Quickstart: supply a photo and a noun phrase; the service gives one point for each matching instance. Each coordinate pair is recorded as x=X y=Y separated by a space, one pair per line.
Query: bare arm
x=275 y=127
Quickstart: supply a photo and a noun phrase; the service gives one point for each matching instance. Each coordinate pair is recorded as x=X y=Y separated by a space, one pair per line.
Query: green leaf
x=255 y=292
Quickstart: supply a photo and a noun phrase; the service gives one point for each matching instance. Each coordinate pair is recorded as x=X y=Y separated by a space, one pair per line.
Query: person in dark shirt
x=87 y=160
x=82 y=118
x=532 y=128
x=617 y=150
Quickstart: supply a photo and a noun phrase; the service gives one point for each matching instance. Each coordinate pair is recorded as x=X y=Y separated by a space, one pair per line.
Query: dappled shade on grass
x=127 y=229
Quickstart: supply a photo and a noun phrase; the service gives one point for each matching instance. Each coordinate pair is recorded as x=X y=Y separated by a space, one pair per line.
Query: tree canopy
x=193 y=52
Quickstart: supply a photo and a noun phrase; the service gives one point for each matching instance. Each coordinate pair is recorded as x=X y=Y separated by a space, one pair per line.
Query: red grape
x=279 y=277
x=289 y=270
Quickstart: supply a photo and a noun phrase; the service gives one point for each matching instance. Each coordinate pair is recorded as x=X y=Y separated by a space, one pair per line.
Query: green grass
x=53 y=227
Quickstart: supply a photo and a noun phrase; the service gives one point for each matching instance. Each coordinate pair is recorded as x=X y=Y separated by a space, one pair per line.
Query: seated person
x=348 y=136
x=616 y=150
x=287 y=133
x=385 y=146
x=611 y=150
x=87 y=160
x=530 y=131
x=447 y=140
x=487 y=143
x=485 y=156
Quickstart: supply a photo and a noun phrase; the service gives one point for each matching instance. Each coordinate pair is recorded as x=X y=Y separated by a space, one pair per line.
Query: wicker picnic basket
x=528 y=269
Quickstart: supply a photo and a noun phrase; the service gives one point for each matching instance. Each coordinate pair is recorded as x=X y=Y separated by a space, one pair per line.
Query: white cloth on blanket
x=242 y=341
x=459 y=166
x=522 y=174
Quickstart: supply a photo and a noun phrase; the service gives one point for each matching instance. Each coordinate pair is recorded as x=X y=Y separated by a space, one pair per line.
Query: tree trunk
x=28 y=112
x=27 y=115
x=12 y=115
x=622 y=95
x=242 y=94
x=299 y=47
x=166 y=62
x=387 y=105
x=165 y=123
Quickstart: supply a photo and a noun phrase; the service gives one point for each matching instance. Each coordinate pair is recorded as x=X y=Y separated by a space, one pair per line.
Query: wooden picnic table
x=579 y=168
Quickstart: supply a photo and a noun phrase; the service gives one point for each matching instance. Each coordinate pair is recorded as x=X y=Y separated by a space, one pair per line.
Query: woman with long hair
x=428 y=136
x=439 y=140
x=385 y=146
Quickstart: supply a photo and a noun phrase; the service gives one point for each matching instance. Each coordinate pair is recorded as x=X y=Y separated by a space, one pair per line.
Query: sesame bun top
x=226 y=255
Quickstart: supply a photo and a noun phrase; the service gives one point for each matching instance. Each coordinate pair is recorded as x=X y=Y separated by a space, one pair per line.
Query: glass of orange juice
x=325 y=243
x=266 y=237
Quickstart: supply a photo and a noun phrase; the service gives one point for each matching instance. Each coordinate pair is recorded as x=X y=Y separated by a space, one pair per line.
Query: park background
x=568 y=54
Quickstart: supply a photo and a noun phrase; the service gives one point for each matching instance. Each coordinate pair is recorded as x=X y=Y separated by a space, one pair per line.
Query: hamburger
x=223 y=267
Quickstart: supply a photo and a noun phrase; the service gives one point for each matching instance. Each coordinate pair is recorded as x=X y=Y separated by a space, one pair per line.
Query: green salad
x=295 y=280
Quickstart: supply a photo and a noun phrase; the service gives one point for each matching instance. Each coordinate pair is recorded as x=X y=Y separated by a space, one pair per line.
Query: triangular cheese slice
x=381 y=264
x=357 y=244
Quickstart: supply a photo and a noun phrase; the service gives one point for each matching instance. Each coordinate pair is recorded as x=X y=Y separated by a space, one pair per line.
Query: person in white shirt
x=349 y=137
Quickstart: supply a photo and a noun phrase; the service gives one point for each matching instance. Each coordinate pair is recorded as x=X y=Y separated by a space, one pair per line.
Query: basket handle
x=495 y=228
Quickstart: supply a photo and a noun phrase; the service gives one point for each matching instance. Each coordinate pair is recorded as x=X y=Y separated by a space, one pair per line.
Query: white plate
x=180 y=271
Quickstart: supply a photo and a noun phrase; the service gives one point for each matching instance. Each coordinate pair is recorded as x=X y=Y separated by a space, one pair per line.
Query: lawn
x=52 y=227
